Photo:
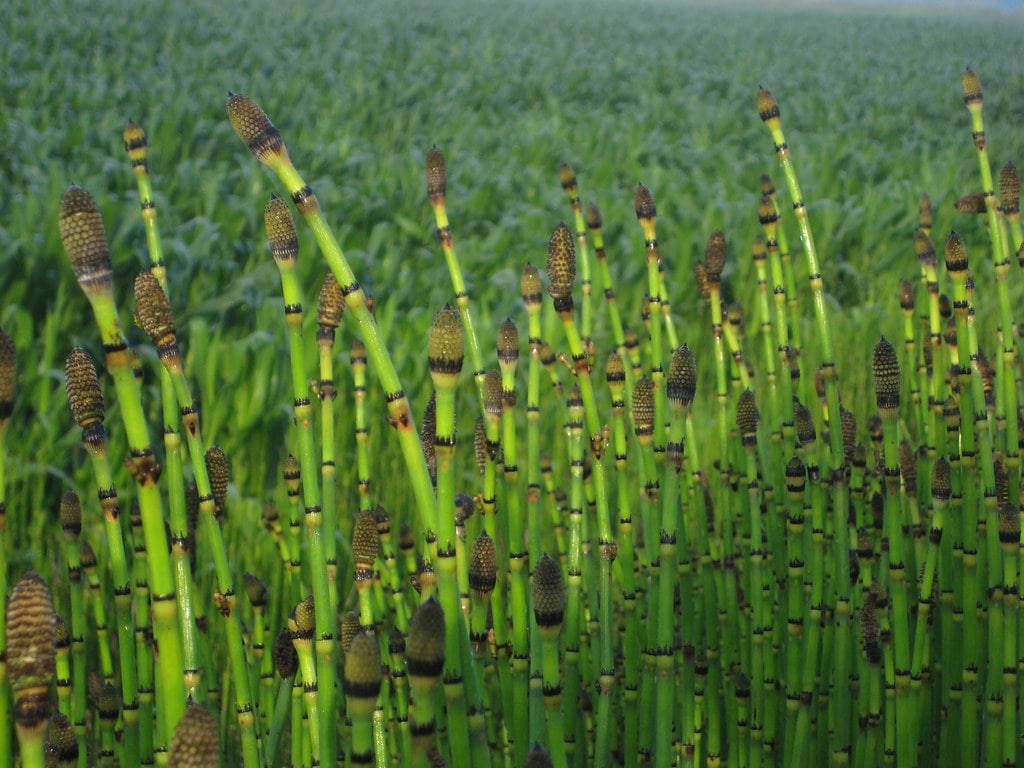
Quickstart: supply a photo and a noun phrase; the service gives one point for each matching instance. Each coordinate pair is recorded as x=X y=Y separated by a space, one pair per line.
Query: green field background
x=656 y=92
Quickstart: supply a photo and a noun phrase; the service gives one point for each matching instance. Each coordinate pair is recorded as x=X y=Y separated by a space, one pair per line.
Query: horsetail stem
x=212 y=474
x=425 y=660
x=136 y=146
x=567 y=177
x=30 y=623
x=549 y=601
x=283 y=241
x=85 y=399
x=329 y=310
x=255 y=129
x=85 y=243
x=437 y=186
x=445 y=350
x=362 y=677
x=61 y=740
x=561 y=276
x=301 y=627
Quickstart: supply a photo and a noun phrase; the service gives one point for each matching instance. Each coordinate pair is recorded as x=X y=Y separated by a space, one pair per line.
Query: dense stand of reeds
x=646 y=568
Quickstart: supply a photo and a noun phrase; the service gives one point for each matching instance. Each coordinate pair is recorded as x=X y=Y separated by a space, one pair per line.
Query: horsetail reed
x=61 y=742
x=85 y=243
x=779 y=571
x=195 y=743
x=362 y=679
x=329 y=310
x=255 y=129
x=85 y=399
x=30 y=626
x=425 y=659
x=283 y=243
x=154 y=315
x=437 y=188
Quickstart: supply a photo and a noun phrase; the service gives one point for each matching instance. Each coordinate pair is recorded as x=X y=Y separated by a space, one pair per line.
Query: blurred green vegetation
x=654 y=92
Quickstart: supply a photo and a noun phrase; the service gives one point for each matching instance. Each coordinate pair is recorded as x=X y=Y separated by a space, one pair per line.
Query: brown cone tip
x=424 y=645
x=548 y=592
x=362 y=667
x=218 y=467
x=153 y=313
x=330 y=305
x=767 y=185
x=924 y=212
x=681 y=383
x=428 y=434
x=956 y=253
x=108 y=701
x=643 y=203
x=700 y=276
x=508 y=342
x=483 y=564
x=566 y=175
x=60 y=735
x=804 y=422
x=492 y=393
x=870 y=632
x=767 y=106
x=643 y=405
x=923 y=247
x=365 y=540
x=971 y=87
x=885 y=373
x=61 y=632
x=350 y=627
x=906 y=294
x=1009 y=520
x=714 y=257
x=593 y=216
x=757 y=249
x=255 y=589
x=280 y=227
x=304 y=615
x=31 y=629
x=290 y=468
x=747 y=415
x=945 y=307
x=194 y=744
x=133 y=135
x=446 y=343
x=85 y=397
x=86 y=555
x=941 y=484
x=1009 y=188
x=435 y=171
x=530 y=285
x=848 y=424
x=286 y=660
x=561 y=263
x=70 y=512
x=538 y=758
x=85 y=240
x=615 y=369
x=254 y=127
x=908 y=465
x=796 y=475
x=8 y=375
x=480 y=453
x=972 y=202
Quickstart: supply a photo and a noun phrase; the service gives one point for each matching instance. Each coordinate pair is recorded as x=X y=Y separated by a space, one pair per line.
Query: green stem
x=324 y=644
